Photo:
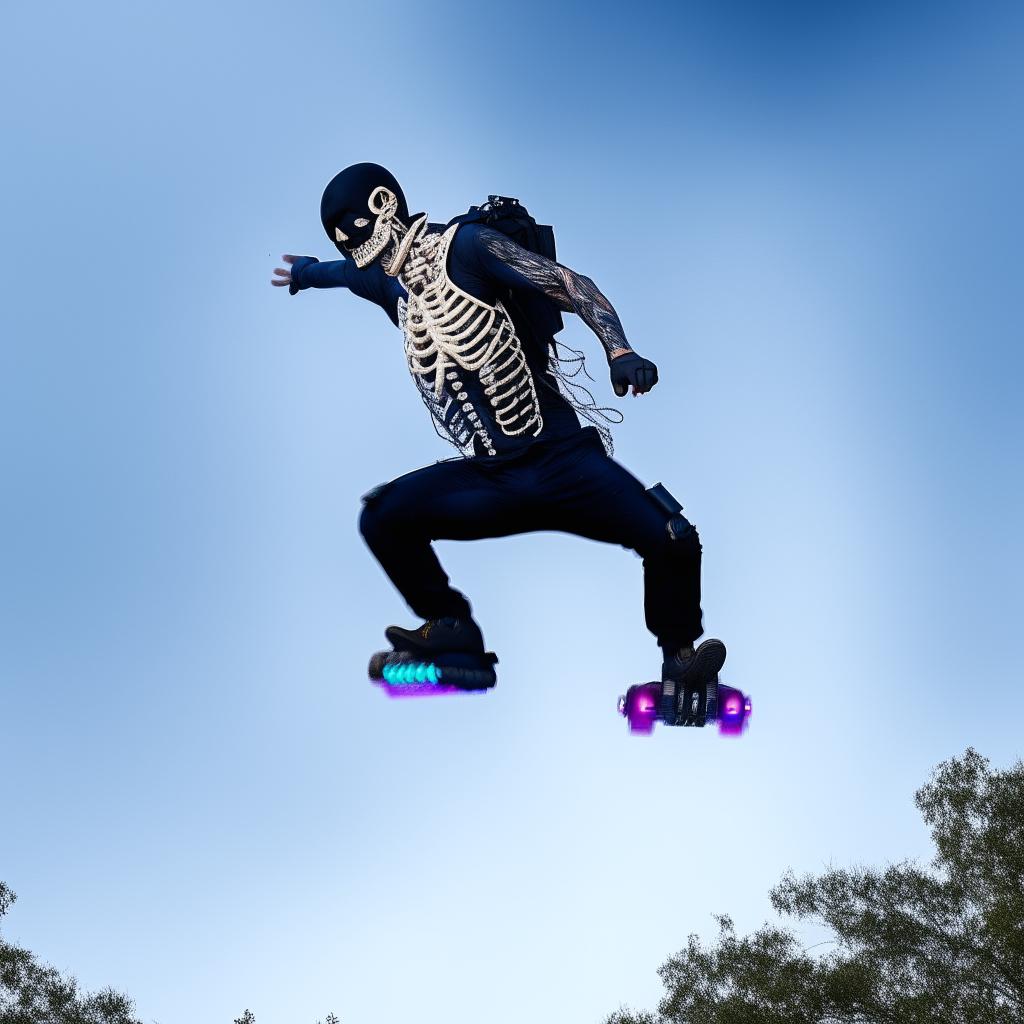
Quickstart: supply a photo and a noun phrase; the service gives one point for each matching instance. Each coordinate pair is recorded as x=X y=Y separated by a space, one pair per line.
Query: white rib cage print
x=449 y=334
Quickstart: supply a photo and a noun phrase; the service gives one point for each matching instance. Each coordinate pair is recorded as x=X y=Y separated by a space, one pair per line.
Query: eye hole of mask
x=361 y=222
x=339 y=235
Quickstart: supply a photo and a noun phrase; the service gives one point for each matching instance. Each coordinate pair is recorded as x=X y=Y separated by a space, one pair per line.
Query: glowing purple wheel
x=640 y=707
x=734 y=710
x=729 y=707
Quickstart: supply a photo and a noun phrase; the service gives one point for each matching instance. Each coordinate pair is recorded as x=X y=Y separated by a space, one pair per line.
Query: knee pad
x=688 y=542
x=680 y=530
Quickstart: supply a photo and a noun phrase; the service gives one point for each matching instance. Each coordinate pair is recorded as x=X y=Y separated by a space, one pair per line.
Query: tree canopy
x=911 y=944
x=32 y=992
x=36 y=993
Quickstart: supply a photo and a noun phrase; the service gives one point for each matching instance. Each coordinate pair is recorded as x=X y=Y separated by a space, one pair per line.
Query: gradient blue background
x=808 y=215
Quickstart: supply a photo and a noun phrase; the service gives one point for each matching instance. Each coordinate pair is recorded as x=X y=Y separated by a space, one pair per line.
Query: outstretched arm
x=308 y=272
x=573 y=293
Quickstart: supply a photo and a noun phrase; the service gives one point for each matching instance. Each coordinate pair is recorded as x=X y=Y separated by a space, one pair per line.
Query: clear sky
x=808 y=215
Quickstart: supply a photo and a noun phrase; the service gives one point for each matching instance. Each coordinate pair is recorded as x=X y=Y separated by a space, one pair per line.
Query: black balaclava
x=363 y=192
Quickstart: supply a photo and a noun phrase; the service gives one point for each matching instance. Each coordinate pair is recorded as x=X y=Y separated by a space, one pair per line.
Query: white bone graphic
x=450 y=335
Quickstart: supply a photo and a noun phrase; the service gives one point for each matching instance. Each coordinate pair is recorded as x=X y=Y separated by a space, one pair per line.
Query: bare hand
x=282 y=276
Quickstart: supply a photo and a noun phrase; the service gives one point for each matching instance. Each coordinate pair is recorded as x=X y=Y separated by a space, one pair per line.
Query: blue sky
x=810 y=220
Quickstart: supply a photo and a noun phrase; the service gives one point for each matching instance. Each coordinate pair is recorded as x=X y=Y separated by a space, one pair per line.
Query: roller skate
x=689 y=694
x=442 y=656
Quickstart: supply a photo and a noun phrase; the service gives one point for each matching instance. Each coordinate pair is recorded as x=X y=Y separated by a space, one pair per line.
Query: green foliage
x=912 y=945
x=249 y=1018
x=35 y=993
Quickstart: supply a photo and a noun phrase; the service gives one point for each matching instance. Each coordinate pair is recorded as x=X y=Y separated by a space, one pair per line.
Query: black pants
x=569 y=485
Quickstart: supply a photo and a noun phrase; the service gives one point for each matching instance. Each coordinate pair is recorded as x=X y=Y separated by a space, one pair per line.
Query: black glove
x=632 y=370
x=297 y=268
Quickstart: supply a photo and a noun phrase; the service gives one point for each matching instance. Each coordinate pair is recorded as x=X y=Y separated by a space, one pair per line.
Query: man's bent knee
x=368 y=524
x=381 y=518
x=681 y=535
x=686 y=543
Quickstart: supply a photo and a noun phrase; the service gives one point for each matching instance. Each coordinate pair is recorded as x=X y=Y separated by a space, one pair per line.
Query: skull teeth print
x=384 y=203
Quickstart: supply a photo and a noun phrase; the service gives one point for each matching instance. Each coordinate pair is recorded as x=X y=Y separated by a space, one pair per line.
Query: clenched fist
x=630 y=370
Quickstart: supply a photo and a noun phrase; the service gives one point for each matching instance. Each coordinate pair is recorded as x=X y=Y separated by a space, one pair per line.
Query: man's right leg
x=449 y=500
x=593 y=496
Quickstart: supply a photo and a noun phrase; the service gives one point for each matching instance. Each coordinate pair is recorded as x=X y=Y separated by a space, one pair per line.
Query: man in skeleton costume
x=485 y=368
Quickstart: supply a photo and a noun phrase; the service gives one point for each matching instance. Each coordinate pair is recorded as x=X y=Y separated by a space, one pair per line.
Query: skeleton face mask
x=359 y=211
x=364 y=245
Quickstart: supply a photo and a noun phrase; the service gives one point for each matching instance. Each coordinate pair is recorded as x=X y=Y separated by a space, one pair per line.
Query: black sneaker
x=685 y=679
x=438 y=636
x=699 y=666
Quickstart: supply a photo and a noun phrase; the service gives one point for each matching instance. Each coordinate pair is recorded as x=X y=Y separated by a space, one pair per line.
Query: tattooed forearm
x=595 y=311
x=571 y=292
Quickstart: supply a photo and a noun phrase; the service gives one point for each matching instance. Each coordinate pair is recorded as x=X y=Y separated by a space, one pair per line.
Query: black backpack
x=511 y=218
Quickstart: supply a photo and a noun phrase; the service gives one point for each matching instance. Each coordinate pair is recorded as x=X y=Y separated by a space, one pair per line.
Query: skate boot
x=690 y=693
x=443 y=655
x=437 y=636
x=689 y=684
